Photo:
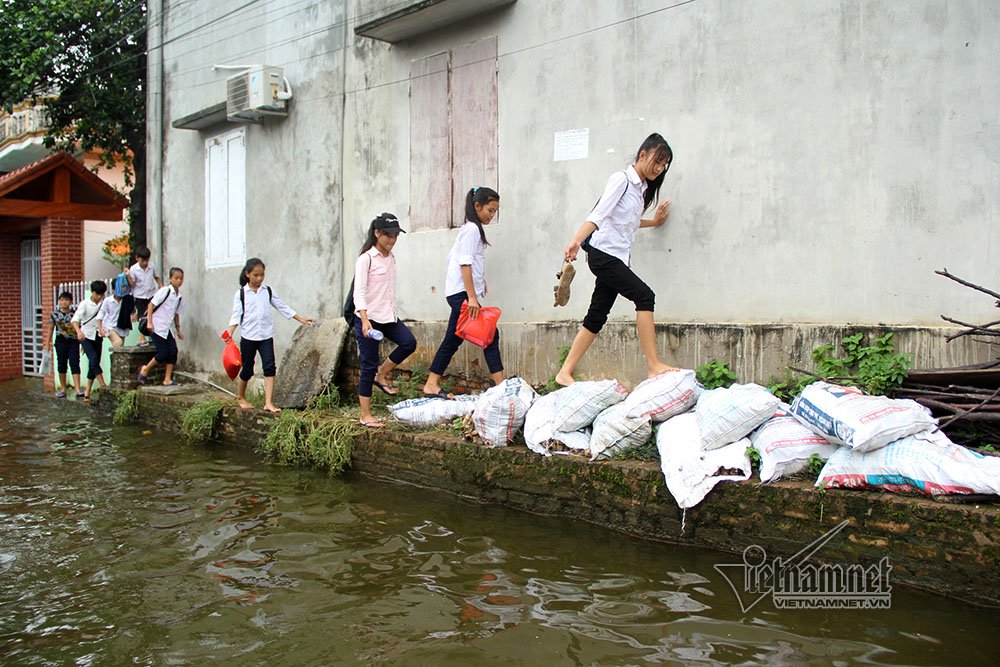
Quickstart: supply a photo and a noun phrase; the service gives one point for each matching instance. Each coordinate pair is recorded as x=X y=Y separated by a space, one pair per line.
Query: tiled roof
x=15 y=179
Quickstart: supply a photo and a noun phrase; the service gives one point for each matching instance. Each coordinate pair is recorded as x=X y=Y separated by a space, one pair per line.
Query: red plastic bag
x=232 y=360
x=480 y=331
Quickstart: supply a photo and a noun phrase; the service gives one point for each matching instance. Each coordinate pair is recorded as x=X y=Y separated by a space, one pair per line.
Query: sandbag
x=785 y=446
x=663 y=396
x=614 y=431
x=847 y=416
x=578 y=440
x=690 y=472
x=927 y=463
x=729 y=414
x=501 y=411
x=578 y=405
x=427 y=411
x=538 y=424
x=539 y=432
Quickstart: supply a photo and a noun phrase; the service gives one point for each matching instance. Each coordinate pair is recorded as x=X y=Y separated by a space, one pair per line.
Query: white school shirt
x=163 y=316
x=468 y=250
x=86 y=314
x=108 y=315
x=375 y=286
x=257 y=321
x=145 y=280
x=618 y=214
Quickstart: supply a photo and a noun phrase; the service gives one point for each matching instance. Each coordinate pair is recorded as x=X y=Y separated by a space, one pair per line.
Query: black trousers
x=613 y=278
x=67 y=352
x=249 y=349
x=166 y=348
x=92 y=348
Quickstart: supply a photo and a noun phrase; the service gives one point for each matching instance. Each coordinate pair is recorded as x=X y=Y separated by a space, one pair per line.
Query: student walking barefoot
x=607 y=236
x=375 y=314
x=252 y=312
x=466 y=280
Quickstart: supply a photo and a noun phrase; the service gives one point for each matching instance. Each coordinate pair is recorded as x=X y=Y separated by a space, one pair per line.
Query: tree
x=85 y=60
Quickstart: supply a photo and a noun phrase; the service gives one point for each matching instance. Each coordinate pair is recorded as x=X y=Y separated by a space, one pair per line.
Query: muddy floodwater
x=122 y=545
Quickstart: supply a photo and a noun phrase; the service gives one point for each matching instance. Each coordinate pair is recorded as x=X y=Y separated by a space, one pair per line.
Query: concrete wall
x=828 y=156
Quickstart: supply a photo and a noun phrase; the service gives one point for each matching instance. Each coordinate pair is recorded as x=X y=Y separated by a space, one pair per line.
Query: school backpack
x=119 y=284
x=144 y=321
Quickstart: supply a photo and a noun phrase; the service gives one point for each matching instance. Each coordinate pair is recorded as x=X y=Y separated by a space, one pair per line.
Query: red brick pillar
x=10 y=307
x=62 y=262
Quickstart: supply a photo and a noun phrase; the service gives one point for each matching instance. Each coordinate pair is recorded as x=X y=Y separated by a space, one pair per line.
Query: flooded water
x=118 y=545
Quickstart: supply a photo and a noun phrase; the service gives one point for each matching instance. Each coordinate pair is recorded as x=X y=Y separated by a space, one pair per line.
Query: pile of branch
x=960 y=407
x=969 y=412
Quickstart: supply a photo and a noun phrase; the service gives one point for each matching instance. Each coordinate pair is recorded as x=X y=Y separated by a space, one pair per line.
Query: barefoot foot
x=660 y=369
x=244 y=404
x=272 y=409
x=564 y=379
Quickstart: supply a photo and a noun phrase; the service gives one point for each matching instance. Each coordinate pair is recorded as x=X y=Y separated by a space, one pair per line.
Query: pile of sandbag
x=708 y=445
x=889 y=444
x=565 y=415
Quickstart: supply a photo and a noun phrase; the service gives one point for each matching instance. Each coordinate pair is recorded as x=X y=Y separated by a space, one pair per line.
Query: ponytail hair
x=657 y=145
x=481 y=196
x=369 y=240
x=251 y=264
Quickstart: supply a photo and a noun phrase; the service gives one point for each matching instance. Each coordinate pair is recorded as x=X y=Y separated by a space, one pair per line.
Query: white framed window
x=225 y=199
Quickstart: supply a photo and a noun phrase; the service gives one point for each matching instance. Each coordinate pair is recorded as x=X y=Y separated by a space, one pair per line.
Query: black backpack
x=349 y=301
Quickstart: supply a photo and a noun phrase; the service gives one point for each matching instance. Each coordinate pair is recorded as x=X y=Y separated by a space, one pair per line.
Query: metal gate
x=31 y=306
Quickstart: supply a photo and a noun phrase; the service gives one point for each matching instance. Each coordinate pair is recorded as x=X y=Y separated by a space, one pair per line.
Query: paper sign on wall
x=571 y=145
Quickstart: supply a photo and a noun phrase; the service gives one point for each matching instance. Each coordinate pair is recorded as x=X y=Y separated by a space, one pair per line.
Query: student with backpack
x=85 y=324
x=252 y=313
x=465 y=280
x=144 y=281
x=164 y=311
x=375 y=316
x=608 y=235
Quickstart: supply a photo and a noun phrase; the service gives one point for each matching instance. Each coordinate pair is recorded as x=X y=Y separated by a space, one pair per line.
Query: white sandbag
x=538 y=424
x=539 y=431
x=426 y=411
x=663 y=396
x=926 y=462
x=614 y=431
x=728 y=414
x=501 y=410
x=689 y=471
x=578 y=440
x=847 y=416
x=578 y=405
x=785 y=446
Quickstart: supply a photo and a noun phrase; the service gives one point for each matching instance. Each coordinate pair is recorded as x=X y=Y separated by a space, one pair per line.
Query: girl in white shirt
x=466 y=280
x=252 y=311
x=607 y=235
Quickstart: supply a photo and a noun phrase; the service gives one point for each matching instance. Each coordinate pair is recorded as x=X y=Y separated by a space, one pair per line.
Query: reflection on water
x=119 y=545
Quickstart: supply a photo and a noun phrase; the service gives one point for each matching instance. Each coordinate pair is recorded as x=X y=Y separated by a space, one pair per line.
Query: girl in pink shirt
x=375 y=311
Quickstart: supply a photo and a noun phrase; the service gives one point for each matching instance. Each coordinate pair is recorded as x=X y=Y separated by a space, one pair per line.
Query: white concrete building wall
x=828 y=155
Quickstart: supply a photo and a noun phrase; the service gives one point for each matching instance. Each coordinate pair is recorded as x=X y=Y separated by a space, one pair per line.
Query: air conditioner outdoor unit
x=257 y=92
